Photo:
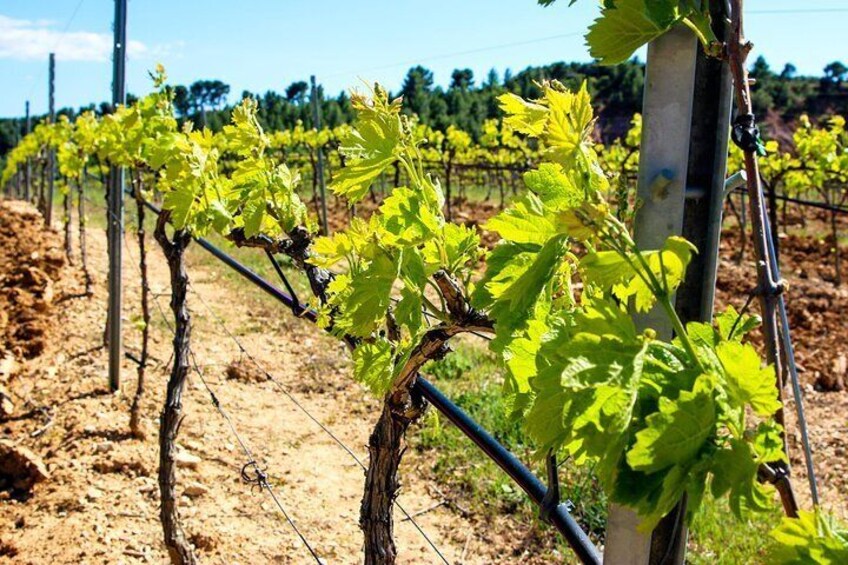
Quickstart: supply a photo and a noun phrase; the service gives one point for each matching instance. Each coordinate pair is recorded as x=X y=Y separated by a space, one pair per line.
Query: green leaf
x=407 y=218
x=626 y=276
x=812 y=537
x=525 y=117
x=408 y=311
x=457 y=247
x=675 y=434
x=568 y=132
x=734 y=471
x=329 y=251
x=623 y=29
x=371 y=146
x=517 y=289
x=768 y=442
x=523 y=222
x=180 y=202
x=747 y=381
x=364 y=306
x=586 y=385
x=554 y=188
x=739 y=324
x=253 y=215
x=505 y=262
x=372 y=366
x=518 y=349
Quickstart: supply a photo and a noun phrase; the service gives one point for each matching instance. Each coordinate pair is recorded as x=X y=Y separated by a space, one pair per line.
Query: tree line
x=466 y=102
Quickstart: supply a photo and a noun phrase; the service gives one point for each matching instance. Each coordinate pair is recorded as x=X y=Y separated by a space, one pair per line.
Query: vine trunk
x=178 y=547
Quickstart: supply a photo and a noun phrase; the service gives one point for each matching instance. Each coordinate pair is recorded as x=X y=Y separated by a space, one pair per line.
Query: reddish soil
x=31 y=259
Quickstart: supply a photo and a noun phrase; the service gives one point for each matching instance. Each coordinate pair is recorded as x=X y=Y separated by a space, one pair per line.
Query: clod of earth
x=20 y=468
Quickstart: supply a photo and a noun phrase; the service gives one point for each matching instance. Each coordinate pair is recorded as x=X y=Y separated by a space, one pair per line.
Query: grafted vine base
x=386 y=447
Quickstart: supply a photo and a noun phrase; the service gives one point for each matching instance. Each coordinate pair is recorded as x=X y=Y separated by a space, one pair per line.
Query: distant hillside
x=779 y=98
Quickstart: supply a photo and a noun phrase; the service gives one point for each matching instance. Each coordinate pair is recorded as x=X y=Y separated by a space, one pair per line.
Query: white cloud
x=27 y=40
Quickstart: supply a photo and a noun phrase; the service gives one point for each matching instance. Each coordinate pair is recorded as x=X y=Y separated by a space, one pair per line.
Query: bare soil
x=100 y=501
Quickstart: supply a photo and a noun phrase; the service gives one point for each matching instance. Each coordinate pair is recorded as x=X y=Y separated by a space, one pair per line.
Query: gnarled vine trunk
x=135 y=411
x=81 y=227
x=67 y=206
x=179 y=549
x=386 y=447
x=42 y=189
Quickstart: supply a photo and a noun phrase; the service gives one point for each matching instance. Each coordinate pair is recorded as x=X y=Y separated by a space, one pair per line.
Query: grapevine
x=561 y=287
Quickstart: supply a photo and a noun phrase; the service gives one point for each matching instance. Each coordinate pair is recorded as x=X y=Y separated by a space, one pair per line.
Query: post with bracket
x=319 y=170
x=682 y=171
x=116 y=204
x=51 y=153
x=28 y=169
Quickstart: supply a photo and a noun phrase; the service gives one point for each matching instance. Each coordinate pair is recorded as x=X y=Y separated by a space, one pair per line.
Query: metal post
x=681 y=182
x=51 y=153
x=28 y=170
x=116 y=203
x=316 y=118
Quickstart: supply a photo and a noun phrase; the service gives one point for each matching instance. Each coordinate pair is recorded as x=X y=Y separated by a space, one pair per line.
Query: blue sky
x=266 y=44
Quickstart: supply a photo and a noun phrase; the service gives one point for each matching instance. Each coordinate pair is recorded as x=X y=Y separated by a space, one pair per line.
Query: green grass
x=717 y=537
x=471 y=377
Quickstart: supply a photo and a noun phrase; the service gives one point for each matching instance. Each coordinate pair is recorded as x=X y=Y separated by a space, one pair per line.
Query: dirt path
x=100 y=504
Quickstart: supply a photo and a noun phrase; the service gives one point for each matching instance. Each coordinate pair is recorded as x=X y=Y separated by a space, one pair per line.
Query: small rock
x=103 y=447
x=20 y=466
x=94 y=493
x=193 y=490
x=6 y=404
x=7 y=366
x=187 y=460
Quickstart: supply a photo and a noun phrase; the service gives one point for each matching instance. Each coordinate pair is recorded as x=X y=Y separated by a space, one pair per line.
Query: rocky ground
x=98 y=499
x=80 y=489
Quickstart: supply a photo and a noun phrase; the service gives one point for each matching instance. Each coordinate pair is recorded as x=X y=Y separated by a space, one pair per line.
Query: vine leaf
x=813 y=537
x=588 y=373
x=735 y=472
x=526 y=221
x=363 y=304
x=747 y=382
x=372 y=366
x=407 y=218
x=625 y=276
x=554 y=187
x=371 y=146
x=675 y=434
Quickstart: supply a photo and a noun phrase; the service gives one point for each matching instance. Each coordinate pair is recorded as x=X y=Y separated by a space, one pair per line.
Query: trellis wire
x=303 y=409
x=261 y=479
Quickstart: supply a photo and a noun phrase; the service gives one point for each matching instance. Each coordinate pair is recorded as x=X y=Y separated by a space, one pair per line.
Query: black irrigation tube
x=807 y=203
x=517 y=471
x=560 y=518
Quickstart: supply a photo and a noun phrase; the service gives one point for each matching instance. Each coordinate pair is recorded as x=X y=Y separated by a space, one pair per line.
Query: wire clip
x=746 y=135
x=258 y=479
